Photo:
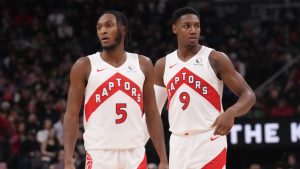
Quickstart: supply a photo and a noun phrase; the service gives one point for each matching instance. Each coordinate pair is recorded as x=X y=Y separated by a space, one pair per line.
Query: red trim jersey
x=194 y=93
x=113 y=104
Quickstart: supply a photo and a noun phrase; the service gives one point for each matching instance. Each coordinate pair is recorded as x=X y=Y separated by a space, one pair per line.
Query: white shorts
x=116 y=159
x=198 y=151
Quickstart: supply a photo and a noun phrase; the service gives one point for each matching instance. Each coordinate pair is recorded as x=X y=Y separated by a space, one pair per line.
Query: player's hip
x=115 y=159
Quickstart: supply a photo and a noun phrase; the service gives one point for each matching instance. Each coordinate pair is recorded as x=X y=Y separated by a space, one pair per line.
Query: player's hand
x=163 y=165
x=224 y=122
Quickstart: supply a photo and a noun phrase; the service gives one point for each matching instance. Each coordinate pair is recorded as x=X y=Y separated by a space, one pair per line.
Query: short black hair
x=120 y=18
x=183 y=11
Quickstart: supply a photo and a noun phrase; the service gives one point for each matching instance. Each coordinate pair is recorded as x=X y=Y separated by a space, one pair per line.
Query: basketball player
x=118 y=88
x=192 y=79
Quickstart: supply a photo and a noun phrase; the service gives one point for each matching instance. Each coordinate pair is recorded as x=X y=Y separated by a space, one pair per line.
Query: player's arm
x=160 y=90
x=237 y=84
x=153 y=120
x=159 y=86
x=78 y=76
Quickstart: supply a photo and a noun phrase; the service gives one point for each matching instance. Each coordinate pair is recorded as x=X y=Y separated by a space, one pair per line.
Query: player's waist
x=191 y=132
x=113 y=142
x=112 y=147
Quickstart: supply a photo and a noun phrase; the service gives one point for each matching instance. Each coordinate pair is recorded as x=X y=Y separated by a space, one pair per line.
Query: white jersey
x=113 y=104
x=194 y=93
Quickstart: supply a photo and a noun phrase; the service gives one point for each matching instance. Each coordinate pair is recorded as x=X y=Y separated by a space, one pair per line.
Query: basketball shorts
x=198 y=151
x=116 y=159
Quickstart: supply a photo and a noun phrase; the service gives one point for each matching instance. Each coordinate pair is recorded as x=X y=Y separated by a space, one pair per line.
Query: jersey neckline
x=108 y=64
x=190 y=59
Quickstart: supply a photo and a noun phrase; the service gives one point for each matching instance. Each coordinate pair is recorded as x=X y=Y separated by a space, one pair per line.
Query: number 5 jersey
x=113 y=104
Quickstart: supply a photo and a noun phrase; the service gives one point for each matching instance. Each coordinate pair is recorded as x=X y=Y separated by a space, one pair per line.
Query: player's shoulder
x=145 y=61
x=145 y=64
x=160 y=63
x=82 y=65
x=219 y=61
x=82 y=62
x=217 y=55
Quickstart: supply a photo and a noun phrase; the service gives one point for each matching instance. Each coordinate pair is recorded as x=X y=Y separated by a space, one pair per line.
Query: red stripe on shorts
x=89 y=161
x=143 y=164
x=218 y=162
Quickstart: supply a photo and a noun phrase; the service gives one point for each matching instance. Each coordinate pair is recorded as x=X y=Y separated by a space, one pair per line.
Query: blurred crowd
x=287 y=161
x=40 y=40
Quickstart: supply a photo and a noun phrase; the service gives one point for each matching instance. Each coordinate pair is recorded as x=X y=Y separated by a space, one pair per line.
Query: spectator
x=280 y=165
x=255 y=166
x=60 y=163
x=49 y=149
x=58 y=126
x=291 y=160
x=283 y=109
x=42 y=134
x=32 y=122
x=3 y=165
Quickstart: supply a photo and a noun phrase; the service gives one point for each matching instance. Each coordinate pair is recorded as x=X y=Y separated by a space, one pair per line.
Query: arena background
x=40 y=40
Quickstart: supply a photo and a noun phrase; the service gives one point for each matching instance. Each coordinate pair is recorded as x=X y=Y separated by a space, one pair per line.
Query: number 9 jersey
x=194 y=93
x=113 y=104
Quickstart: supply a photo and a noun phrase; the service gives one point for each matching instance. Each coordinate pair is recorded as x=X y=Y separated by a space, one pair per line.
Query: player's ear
x=174 y=29
x=124 y=30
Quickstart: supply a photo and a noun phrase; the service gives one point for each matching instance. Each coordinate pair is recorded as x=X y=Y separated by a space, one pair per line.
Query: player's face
x=187 y=29
x=108 y=32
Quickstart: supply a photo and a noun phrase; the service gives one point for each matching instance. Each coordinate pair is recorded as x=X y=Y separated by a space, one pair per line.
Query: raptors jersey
x=114 y=104
x=194 y=93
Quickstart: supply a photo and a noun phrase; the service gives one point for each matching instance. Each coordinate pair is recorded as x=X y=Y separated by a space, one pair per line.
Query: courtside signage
x=276 y=132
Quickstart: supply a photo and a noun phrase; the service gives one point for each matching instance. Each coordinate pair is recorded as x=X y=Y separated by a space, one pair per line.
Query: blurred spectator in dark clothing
x=238 y=64
x=255 y=166
x=49 y=149
x=4 y=154
x=18 y=136
x=297 y=113
x=5 y=126
x=283 y=109
x=280 y=165
x=5 y=129
x=60 y=163
x=32 y=123
x=29 y=156
x=291 y=160
x=272 y=95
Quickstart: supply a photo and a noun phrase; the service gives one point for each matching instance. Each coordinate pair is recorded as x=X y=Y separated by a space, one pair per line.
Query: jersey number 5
x=120 y=110
x=184 y=98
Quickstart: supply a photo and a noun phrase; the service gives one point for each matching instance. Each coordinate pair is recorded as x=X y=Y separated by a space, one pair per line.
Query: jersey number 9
x=184 y=98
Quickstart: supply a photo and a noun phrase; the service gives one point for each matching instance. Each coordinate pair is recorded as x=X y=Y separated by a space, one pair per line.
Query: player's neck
x=186 y=53
x=115 y=56
x=114 y=53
